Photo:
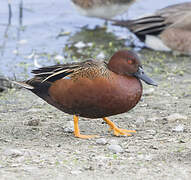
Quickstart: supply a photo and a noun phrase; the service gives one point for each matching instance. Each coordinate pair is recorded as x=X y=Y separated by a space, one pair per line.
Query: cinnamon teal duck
x=92 y=89
x=102 y=8
x=169 y=29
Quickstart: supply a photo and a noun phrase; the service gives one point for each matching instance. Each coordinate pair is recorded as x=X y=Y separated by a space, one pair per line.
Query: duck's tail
x=152 y=25
x=23 y=84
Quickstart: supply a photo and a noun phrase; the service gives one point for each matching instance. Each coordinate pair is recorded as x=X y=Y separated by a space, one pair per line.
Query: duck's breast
x=98 y=97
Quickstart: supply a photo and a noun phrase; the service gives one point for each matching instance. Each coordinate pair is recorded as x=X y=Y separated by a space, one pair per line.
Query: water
x=41 y=25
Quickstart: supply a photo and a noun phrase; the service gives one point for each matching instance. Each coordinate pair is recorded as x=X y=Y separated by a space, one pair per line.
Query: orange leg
x=77 y=131
x=116 y=130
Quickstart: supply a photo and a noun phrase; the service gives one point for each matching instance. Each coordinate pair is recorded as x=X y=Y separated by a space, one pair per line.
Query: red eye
x=130 y=62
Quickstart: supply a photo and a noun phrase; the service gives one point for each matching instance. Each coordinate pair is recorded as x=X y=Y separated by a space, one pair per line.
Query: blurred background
x=42 y=32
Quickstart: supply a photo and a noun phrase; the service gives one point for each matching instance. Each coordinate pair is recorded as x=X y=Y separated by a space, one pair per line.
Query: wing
x=53 y=73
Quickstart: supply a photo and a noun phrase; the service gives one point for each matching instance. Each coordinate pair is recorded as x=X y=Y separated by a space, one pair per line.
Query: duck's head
x=127 y=63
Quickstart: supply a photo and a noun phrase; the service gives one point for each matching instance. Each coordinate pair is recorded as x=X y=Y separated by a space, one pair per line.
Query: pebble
x=13 y=152
x=143 y=105
x=115 y=148
x=69 y=127
x=179 y=128
x=101 y=141
x=175 y=117
x=68 y=130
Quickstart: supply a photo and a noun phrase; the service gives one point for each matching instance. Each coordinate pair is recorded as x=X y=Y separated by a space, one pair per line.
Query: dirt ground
x=36 y=142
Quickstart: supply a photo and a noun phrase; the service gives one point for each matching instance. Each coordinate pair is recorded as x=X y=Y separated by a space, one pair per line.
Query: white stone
x=13 y=152
x=179 y=128
x=115 y=148
x=68 y=130
x=101 y=141
x=69 y=127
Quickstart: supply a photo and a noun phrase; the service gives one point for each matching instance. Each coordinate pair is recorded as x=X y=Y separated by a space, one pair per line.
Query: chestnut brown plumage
x=92 y=89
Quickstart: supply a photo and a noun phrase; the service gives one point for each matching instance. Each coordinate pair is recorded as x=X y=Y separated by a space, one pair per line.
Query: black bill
x=141 y=75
